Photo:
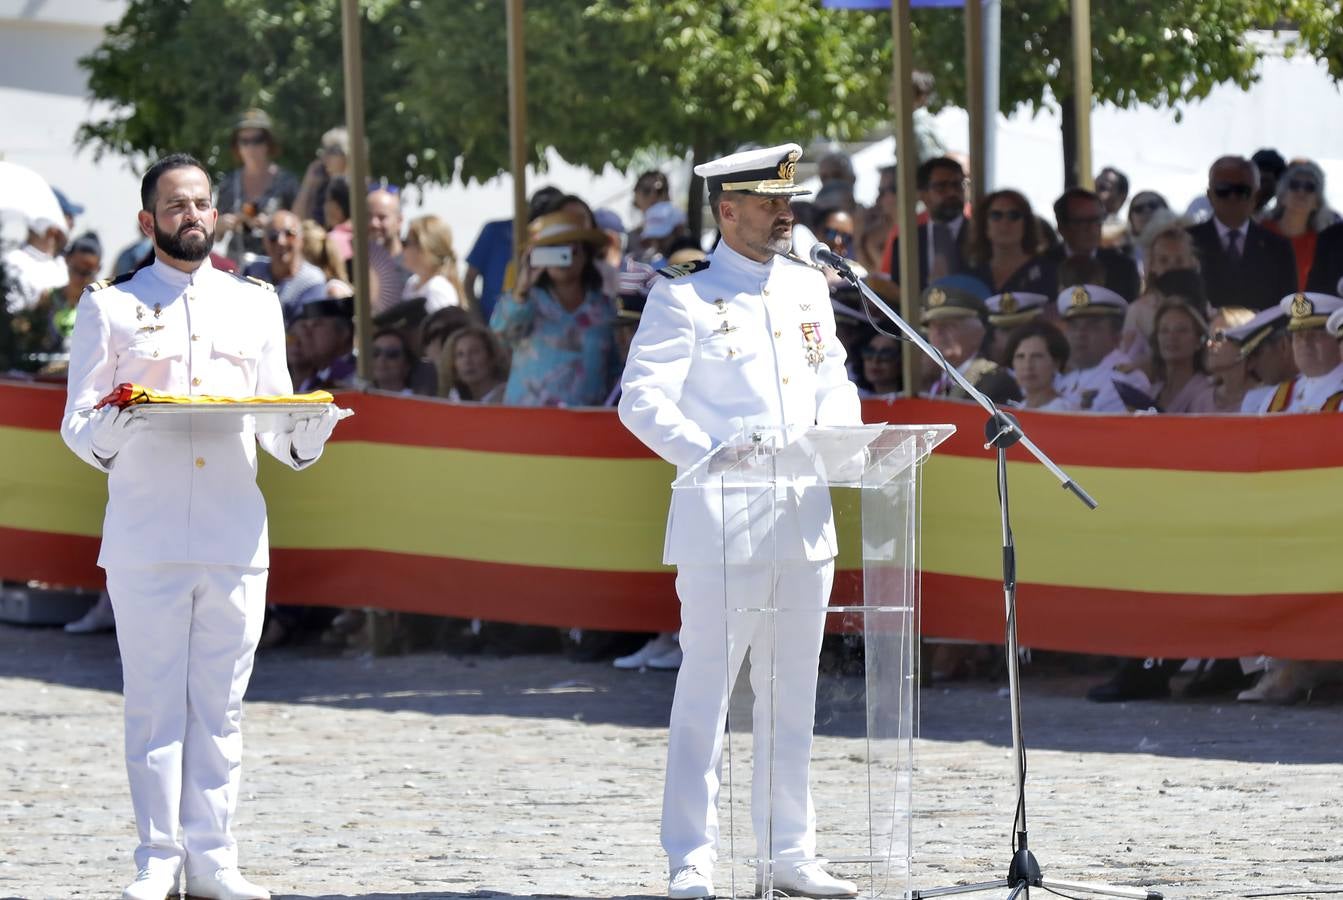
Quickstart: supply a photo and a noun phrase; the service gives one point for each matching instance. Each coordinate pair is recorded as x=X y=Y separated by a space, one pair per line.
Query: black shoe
x=1219 y=676
x=1137 y=679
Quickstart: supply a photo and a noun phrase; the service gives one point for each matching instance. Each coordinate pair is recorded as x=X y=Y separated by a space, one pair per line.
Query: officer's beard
x=777 y=240
x=190 y=243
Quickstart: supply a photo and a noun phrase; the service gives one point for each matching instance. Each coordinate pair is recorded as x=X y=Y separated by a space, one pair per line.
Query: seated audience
x=1180 y=384
x=955 y=315
x=1008 y=311
x=1300 y=214
x=1167 y=247
x=556 y=321
x=1141 y=209
x=881 y=366
x=1079 y=215
x=1006 y=247
x=1266 y=347
x=1093 y=317
x=1038 y=352
x=1231 y=378
x=944 y=237
x=326 y=329
x=474 y=366
x=392 y=362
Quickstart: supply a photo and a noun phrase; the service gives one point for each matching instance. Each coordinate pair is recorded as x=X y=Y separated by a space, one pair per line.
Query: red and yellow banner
x=1215 y=536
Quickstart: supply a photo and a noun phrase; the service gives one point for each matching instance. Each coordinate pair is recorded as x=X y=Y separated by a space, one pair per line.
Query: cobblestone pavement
x=430 y=776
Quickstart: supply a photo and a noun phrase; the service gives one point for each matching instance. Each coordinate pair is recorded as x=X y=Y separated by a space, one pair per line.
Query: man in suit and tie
x=945 y=238
x=1080 y=215
x=1243 y=264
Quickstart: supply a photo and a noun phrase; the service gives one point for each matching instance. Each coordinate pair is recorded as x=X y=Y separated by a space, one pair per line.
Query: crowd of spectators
x=1119 y=304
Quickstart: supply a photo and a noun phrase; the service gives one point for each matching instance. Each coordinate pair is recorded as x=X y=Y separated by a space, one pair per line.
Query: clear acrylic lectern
x=770 y=493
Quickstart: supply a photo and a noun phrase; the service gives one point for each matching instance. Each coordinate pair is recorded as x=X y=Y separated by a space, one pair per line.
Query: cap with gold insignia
x=955 y=297
x=1012 y=308
x=768 y=171
x=1335 y=324
x=1253 y=333
x=1090 y=300
x=1307 y=310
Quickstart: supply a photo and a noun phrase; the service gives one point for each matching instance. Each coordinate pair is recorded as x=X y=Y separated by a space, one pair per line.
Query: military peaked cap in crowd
x=1090 y=300
x=1012 y=308
x=955 y=297
x=327 y=307
x=1265 y=324
x=1307 y=310
x=768 y=172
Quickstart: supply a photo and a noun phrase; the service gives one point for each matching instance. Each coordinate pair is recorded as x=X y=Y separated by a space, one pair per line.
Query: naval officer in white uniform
x=184 y=538
x=743 y=339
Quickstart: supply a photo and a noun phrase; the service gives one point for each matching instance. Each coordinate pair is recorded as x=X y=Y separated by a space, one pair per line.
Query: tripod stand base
x=1020 y=887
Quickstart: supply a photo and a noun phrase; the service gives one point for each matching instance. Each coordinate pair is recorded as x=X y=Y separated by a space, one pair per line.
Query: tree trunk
x=694 y=204
x=1068 y=126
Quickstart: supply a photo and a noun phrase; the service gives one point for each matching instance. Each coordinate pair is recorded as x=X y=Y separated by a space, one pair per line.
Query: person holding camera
x=556 y=320
x=250 y=195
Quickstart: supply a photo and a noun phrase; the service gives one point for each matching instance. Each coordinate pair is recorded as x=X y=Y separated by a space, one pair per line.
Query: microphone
x=821 y=255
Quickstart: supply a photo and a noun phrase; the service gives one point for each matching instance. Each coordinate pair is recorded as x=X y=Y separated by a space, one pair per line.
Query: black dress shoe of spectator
x=1220 y=676
x=1137 y=679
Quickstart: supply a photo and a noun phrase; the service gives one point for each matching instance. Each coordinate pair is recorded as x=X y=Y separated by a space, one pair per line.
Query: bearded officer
x=743 y=339
x=184 y=538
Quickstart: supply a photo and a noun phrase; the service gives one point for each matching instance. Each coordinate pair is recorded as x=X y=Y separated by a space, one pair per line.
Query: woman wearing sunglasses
x=1006 y=250
x=1301 y=213
x=1141 y=209
x=250 y=194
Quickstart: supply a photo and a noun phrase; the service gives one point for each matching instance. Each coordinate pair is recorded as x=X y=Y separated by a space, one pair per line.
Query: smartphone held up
x=551 y=257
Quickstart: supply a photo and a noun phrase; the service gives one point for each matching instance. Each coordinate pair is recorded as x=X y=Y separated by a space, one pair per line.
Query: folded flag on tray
x=128 y=394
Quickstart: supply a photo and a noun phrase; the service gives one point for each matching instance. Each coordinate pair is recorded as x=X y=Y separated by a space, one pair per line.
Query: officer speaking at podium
x=184 y=538
x=743 y=339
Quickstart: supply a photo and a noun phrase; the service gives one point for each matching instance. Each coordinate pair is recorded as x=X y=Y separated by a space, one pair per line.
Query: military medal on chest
x=811 y=337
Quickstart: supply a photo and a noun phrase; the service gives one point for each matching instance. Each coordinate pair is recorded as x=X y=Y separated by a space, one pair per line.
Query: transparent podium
x=782 y=501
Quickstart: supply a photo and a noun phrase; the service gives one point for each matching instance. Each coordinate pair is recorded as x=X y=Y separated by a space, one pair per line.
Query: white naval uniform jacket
x=724 y=349
x=188 y=496
x=1310 y=394
x=1093 y=389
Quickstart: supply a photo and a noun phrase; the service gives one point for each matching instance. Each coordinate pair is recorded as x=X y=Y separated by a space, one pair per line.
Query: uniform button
x=764 y=292
x=731 y=353
x=195 y=337
x=778 y=334
x=785 y=379
x=200 y=462
x=156 y=354
x=195 y=382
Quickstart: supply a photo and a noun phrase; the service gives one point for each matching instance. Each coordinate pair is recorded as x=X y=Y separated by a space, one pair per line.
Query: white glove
x=310 y=434
x=109 y=430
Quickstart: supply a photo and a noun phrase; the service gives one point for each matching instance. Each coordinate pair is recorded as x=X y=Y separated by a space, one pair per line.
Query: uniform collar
x=176 y=277
x=725 y=256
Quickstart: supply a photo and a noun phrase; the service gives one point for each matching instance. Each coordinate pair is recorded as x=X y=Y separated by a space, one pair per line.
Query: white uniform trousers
x=187 y=635
x=711 y=661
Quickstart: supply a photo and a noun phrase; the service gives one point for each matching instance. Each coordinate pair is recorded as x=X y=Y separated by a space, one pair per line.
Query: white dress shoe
x=152 y=884
x=658 y=645
x=224 y=884
x=98 y=618
x=809 y=879
x=689 y=883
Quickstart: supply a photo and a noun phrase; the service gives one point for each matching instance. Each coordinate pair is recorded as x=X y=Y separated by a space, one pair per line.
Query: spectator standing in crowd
x=1180 y=383
x=475 y=366
x=339 y=227
x=184 y=540
x=284 y=265
x=331 y=162
x=432 y=262
x=320 y=250
x=928 y=141
x=491 y=256
x=945 y=239
x=44 y=329
x=1266 y=347
x=881 y=367
x=1301 y=213
x=835 y=172
x=249 y=195
x=1079 y=215
x=1271 y=167
x=556 y=321
x=1038 y=352
x=955 y=314
x=35 y=268
x=1111 y=187
x=1093 y=317
x=1141 y=209
x=1243 y=263
x=392 y=362
x=387 y=267
x=1222 y=359
x=650 y=187
x=1006 y=249
x=664 y=226
x=326 y=328
x=608 y=220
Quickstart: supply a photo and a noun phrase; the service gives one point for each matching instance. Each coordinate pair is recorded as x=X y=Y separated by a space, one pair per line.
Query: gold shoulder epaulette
x=259 y=283
x=689 y=268
x=108 y=282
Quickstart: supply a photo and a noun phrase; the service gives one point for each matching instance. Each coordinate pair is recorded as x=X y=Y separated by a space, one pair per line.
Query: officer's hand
x=110 y=428
x=310 y=434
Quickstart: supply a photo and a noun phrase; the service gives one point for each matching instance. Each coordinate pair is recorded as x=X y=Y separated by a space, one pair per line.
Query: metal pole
x=993 y=30
x=517 y=120
x=907 y=160
x=1082 y=88
x=354 y=121
x=974 y=94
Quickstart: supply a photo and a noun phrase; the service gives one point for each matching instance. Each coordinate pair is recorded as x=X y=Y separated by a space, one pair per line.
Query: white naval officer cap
x=768 y=171
x=1307 y=309
x=1335 y=324
x=1012 y=308
x=1090 y=300
x=1254 y=332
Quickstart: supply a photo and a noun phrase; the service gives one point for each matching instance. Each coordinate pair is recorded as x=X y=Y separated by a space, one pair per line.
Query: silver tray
x=230 y=418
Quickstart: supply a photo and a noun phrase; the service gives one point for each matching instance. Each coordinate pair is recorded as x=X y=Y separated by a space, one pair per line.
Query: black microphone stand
x=1001 y=431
